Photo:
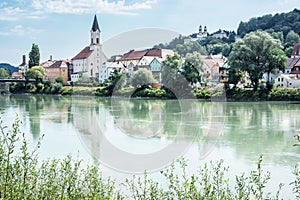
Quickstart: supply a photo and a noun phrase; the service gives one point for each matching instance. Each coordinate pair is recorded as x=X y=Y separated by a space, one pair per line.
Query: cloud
x=91 y=6
x=19 y=30
x=37 y=9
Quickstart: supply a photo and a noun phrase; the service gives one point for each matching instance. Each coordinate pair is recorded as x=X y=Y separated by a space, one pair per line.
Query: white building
x=107 y=68
x=89 y=60
x=287 y=81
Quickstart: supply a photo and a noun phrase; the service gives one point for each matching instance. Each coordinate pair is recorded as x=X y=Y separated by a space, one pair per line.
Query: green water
x=127 y=135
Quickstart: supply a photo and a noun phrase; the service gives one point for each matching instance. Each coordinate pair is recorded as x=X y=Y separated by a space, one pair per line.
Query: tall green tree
x=4 y=73
x=192 y=67
x=257 y=53
x=173 y=78
x=34 y=56
x=35 y=72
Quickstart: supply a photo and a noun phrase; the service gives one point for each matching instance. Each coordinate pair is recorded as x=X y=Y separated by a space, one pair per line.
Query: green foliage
x=141 y=77
x=172 y=44
x=296 y=182
x=283 y=22
x=35 y=72
x=173 y=79
x=22 y=176
x=291 y=39
x=86 y=81
x=16 y=87
x=67 y=90
x=4 y=73
x=34 y=56
x=59 y=80
x=190 y=47
x=257 y=53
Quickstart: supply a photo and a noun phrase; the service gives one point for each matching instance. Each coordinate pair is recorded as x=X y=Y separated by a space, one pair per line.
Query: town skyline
x=61 y=28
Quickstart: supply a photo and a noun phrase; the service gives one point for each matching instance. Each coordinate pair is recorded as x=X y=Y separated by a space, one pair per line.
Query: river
x=128 y=136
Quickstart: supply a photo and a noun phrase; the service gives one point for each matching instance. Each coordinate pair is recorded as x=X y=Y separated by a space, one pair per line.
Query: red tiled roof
x=154 y=53
x=85 y=53
x=133 y=55
x=137 y=55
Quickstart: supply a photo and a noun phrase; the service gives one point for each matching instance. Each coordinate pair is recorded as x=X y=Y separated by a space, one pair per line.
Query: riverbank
x=216 y=94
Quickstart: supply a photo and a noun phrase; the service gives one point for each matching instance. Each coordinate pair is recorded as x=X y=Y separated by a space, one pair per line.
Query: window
x=281 y=79
x=278 y=79
x=97 y=40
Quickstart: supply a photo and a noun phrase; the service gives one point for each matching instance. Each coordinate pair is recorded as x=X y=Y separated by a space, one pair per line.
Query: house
x=294 y=62
x=211 y=65
x=107 y=68
x=150 y=59
x=57 y=69
x=22 y=69
x=224 y=73
x=219 y=34
x=287 y=81
x=90 y=59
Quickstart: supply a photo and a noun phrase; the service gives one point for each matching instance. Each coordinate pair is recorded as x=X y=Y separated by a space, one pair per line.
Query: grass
x=24 y=176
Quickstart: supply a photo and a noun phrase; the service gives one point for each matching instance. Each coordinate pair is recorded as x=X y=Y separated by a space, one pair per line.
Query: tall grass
x=23 y=176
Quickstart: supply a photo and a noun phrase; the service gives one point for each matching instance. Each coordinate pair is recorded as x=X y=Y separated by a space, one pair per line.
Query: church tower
x=95 y=32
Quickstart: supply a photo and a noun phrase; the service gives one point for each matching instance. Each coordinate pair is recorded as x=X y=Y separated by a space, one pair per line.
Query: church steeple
x=95 y=32
x=95 y=26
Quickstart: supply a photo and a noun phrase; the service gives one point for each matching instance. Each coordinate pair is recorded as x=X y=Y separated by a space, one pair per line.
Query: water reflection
x=143 y=127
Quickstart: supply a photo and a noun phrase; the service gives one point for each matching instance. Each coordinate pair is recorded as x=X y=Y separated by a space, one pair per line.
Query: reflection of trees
x=268 y=128
x=53 y=108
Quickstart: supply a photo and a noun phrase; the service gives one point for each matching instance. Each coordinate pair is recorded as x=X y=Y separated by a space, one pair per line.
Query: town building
x=57 y=69
x=90 y=59
x=150 y=59
x=287 y=81
x=201 y=35
x=211 y=65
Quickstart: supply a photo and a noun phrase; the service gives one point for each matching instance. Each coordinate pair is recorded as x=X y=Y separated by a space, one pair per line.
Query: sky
x=61 y=28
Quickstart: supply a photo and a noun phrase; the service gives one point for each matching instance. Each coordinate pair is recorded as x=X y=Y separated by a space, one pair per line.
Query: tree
x=4 y=73
x=141 y=77
x=291 y=39
x=173 y=78
x=277 y=60
x=34 y=56
x=192 y=67
x=59 y=80
x=35 y=72
x=234 y=76
x=255 y=54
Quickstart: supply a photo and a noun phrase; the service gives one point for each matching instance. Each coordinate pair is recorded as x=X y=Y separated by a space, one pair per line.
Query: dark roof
x=292 y=62
x=296 y=51
x=85 y=53
x=137 y=55
x=11 y=69
x=95 y=24
x=57 y=64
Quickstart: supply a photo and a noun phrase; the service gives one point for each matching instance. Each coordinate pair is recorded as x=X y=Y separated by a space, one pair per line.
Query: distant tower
x=95 y=32
x=205 y=29
x=200 y=29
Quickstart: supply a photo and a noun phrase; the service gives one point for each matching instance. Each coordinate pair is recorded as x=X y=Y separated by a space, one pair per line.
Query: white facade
x=106 y=70
x=88 y=62
x=286 y=81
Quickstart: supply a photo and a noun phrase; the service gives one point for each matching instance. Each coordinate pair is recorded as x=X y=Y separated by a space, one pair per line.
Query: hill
x=283 y=22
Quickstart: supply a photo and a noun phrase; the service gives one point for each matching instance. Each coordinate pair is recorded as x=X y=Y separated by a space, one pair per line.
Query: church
x=89 y=60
